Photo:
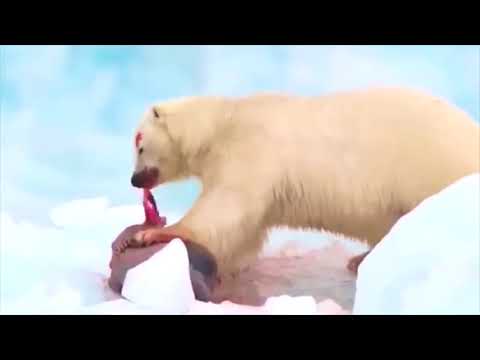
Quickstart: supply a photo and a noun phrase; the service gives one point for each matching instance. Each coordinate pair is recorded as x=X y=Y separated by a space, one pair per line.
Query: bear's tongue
x=152 y=216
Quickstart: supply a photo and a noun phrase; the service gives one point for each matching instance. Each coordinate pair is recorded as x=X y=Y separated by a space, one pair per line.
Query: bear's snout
x=145 y=179
x=137 y=180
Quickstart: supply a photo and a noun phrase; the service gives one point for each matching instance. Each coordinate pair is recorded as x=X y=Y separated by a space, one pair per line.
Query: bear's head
x=157 y=157
x=175 y=139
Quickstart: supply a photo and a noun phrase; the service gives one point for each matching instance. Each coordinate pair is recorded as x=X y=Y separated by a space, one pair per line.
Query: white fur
x=350 y=163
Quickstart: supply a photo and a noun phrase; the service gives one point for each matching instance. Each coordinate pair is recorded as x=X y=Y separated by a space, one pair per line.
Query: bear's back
x=380 y=150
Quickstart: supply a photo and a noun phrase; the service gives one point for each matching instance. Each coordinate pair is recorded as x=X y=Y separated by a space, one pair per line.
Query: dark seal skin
x=203 y=267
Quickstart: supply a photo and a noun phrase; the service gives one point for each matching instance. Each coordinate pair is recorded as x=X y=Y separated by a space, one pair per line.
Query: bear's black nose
x=137 y=180
x=146 y=178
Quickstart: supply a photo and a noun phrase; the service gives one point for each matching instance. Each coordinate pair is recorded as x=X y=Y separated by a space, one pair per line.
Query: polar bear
x=349 y=163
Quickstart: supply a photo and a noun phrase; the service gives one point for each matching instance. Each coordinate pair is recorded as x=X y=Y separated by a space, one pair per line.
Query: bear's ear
x=158 y=114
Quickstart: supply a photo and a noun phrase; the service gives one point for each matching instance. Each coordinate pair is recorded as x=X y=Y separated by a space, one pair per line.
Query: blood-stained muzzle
x=145 y=179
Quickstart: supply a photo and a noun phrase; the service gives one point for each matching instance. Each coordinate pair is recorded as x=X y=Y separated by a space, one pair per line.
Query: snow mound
x=161 y=285
x=163 y=281
x=300 y=305
x=116 y=307
x=429 y=262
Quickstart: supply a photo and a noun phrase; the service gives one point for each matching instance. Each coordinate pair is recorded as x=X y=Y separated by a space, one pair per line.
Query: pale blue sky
x=68 y=112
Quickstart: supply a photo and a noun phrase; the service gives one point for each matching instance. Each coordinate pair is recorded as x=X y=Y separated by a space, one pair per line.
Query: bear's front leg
x=158 y=235
x=227 y=223
x=124 y=239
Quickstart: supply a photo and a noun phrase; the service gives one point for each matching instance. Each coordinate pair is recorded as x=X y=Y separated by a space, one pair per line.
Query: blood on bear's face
x=156 y=161
x=148 y=176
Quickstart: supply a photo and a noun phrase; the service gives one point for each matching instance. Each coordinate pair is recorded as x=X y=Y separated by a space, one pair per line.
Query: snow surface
x=429 y=262
x=162 y=285
x=63 y=269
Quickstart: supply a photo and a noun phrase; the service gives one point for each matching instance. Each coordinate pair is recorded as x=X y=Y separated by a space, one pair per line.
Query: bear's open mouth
x=147 y=178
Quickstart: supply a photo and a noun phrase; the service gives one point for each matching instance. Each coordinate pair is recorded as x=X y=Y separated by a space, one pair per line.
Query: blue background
x=68 y=112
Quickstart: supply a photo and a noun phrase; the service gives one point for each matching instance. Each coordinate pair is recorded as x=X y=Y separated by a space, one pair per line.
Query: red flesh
x=152 y=216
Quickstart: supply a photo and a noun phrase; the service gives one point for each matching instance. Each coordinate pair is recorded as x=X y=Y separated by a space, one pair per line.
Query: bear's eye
x=140 y=151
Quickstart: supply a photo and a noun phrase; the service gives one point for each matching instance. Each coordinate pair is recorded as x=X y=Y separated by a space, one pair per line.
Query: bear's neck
x=201 y=145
